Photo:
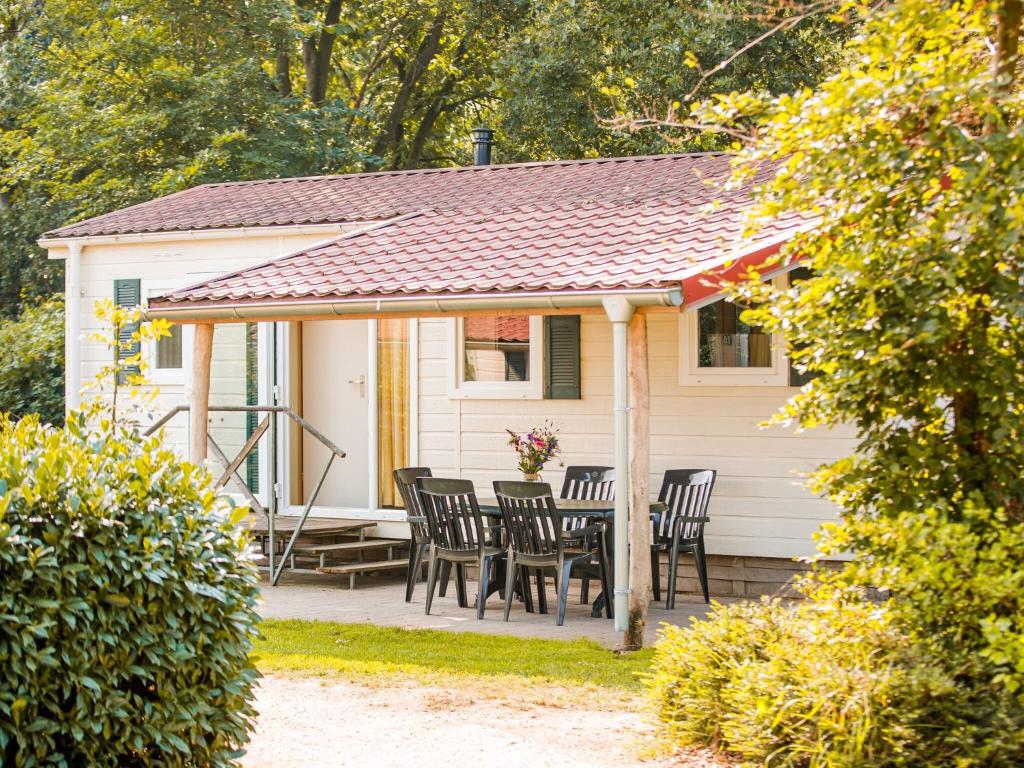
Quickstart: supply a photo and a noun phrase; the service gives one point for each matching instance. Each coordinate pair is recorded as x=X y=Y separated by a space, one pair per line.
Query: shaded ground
x=306 y=722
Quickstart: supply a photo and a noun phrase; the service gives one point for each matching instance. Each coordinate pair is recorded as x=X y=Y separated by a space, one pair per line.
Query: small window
x=168 y=357
x=168 y=351
x=717 y=347
x=496 y=348
x=497 y=356
x=725 y=341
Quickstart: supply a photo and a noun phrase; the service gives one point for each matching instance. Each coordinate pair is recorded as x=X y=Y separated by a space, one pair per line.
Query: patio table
x=603 y=511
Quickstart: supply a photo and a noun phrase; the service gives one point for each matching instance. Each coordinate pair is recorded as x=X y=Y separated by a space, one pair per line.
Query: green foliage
x=127 y=603
x=414 y=75
x=127 y=367
x=32 y=363
x=579 y=61
x=136 y=99
x=907 y=168
x=788 y=686
x=828 y=682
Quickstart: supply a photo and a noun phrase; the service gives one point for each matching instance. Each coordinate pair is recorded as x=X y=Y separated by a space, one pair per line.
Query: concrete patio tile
x=381 y=600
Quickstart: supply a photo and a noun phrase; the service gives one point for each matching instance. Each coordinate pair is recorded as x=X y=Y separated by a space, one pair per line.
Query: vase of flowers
x=535 y=448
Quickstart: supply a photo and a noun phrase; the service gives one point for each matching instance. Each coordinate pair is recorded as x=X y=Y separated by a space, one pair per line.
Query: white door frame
x=372 y=510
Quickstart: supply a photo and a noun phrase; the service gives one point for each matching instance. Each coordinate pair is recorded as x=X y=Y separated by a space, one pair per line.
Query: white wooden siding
x=166 y=266
x=760 y=507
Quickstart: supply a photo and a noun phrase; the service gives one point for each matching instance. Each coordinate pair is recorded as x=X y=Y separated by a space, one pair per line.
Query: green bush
x=829 y=683
x=32 y=363
x=126 y=604
x=778 y=685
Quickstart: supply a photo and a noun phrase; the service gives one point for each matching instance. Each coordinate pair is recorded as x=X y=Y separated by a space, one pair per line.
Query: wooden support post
x=200 y=404
x=639 y=480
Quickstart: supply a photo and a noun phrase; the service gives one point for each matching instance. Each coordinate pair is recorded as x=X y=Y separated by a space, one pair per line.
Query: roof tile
x=691 y=179
x=527 y=248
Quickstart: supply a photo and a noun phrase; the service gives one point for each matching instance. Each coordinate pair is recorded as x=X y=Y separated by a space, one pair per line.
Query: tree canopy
x=578 y=63
x=908 y=167
x=107 y=104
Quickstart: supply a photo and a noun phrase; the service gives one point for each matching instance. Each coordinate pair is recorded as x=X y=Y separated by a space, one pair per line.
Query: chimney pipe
x=483 y=138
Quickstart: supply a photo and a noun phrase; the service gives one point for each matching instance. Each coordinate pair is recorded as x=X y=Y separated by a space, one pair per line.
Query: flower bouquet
x=535 y=449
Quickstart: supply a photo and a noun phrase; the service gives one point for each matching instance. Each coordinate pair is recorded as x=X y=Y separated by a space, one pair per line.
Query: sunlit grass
x=366 y=651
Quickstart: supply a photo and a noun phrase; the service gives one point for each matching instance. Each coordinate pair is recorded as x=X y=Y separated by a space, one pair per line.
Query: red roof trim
x=714 y=279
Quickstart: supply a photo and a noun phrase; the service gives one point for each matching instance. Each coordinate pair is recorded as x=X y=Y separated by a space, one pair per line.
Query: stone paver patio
x=381 y=600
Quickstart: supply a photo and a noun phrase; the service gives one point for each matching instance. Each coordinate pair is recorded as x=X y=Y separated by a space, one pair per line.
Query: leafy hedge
x=32 y=363
x=830 y=683
x=126 y=604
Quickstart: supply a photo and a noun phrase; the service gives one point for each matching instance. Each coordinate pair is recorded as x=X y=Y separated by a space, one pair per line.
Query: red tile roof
x=374 y=196
x=528 y=248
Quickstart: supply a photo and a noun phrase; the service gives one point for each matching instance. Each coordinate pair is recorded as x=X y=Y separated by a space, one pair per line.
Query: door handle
x=361 y=381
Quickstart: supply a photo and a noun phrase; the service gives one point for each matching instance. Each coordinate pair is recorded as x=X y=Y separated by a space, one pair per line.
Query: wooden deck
x=318 y=541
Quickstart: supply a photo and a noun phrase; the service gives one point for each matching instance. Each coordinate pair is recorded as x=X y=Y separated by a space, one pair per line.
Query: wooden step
x=346 y=546
x=313 y=527
x=367 y=567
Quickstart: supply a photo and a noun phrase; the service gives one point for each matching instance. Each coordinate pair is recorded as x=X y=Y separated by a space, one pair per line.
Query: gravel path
x=314 y=722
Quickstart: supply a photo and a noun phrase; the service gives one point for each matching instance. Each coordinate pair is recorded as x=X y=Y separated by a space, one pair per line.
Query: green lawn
x=363 y=650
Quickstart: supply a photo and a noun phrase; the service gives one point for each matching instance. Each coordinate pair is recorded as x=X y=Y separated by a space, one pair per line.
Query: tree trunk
x=316 y=55
x=283 y=74
x=428 y=48
x=639 y=480
x=1004 y=63
x=437 y=106
x=426 y=125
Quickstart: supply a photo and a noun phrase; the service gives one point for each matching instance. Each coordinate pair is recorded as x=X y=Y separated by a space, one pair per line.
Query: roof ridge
x=462 y=169
x=364 y=197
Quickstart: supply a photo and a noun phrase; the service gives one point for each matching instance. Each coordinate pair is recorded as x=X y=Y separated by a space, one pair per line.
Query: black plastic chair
x=586 y=482
x=535 y=538
x=680 y=528
x=419 y=542
x=457 y=536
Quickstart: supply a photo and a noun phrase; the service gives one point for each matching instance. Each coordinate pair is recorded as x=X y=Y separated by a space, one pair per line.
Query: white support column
x=619 y=311
x=73 y=327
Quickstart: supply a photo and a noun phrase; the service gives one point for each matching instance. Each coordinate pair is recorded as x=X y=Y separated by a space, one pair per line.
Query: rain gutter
x=410 y=305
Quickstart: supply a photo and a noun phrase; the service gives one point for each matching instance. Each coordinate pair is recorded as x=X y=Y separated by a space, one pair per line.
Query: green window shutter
x=128 y=293
x=799 y=378
x=252 y=461
x=562 y=357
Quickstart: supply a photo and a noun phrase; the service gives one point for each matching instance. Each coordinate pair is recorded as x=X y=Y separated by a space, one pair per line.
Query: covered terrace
x=618 y=261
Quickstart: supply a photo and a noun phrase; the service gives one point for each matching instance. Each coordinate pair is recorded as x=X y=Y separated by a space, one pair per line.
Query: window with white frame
x=497 y=356
x=168 y=357
x=718 y=347
x=167 y=351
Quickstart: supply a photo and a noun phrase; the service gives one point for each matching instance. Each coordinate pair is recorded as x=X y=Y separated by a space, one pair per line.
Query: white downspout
x=73 y=327
x=619 y=311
